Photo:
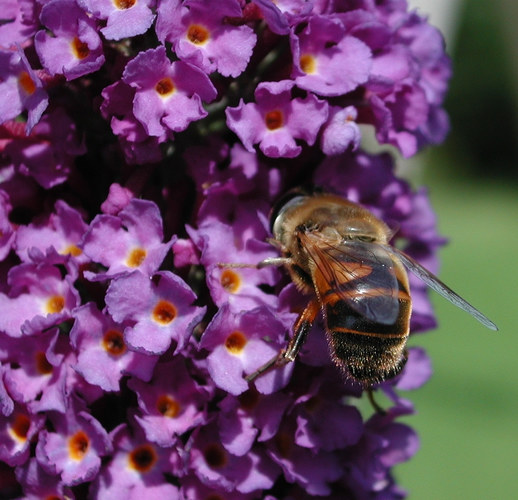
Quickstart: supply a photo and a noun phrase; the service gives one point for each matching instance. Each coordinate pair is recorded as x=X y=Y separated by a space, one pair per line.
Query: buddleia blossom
x=143 y=146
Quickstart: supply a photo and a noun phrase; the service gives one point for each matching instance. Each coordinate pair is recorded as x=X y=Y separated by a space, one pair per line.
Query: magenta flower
x=75 y=48
x=168 y=95
x=275 y=120
x=136 y=144
x=17 y=429
x=123 y=18
x=21 y=89
x=202 y=35
x=341 y=131
x=48 y=154
x=7 y=231
x=237 y=348
x=171 y=404
x=55 y=240
x=19 y=22
x=39 y=299
x=103 y=357
x=159 y=306
x=215 y=467
x=35 y=364
x=128 y=241
x=136 y=468
x=75 y=448
x=322 y=51
x=38 y=484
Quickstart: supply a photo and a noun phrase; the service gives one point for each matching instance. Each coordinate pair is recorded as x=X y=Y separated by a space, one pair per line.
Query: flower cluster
x=143 y=143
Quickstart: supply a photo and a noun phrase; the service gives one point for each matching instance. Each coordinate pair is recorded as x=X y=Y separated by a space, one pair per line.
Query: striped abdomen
x=367 y=317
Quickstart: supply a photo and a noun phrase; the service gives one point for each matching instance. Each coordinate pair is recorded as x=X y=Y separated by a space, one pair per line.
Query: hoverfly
x=338 y=253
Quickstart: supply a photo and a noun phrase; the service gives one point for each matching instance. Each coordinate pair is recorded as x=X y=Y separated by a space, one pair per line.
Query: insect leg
x=270 y=261
x=372 y=401
x=301 y=329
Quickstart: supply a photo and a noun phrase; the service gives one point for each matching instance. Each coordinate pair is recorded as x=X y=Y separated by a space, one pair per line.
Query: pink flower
x=276 y=120
x=168 y=95
x=202 y=35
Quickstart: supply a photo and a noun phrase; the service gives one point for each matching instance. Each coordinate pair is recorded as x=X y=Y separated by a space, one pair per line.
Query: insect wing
x=436 y=284
x=359 y=273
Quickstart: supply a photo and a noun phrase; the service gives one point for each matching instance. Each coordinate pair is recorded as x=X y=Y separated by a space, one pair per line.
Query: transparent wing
x=436 y=284
x=360 y=273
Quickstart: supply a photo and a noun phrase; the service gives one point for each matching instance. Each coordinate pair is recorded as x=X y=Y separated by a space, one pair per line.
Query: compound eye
x=290 y=199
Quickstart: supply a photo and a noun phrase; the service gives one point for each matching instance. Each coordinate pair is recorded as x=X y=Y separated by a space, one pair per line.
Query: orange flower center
x=55 y=304
x=73 y=250
x=197 y=34
x=79 y=48
x=230 y=280
x=164 y=312
x=143 y=458
x=26 y=83
x=124 y=4
x=274 y=119
x=78 y=445
x=168 y=406
x=113 y=342
x=20 y=426
x=42 y=364
x=235 y=342
x=165 y=87
x=136 y=257
x=308 y=63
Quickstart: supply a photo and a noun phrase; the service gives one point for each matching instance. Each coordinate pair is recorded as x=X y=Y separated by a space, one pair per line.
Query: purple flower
x=21 y=89
x=171 y=404
x=322 y=51
x=54 y=240
x=128 y=241
x=249 y=417
x=136 y=468
x=275 y=120
x=75 y=49
x=237 y=346
x=39 y=298
x=240 y=287
x=123 y=18
x=168 y=95
x=35 y=363
x=136 y=144
x=319 y=405
x=313 y=470
x=19 y=22
x=38 y=484
x=215 y=467
x=341 y=131
x=407 y=86
x=159 y=306
x=48 y=154
x=17 y=430
x=103 y=356
x=7 y=231
x=201 y=34
x=282 y=14
x=75 y=448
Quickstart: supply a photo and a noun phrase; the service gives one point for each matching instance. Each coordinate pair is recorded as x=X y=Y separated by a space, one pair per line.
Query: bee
x=338 y=253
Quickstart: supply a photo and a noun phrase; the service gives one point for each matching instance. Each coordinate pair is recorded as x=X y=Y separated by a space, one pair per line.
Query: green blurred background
x=468 y=413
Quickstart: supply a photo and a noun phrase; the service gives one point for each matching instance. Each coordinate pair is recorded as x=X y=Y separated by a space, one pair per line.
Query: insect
x=338 y=253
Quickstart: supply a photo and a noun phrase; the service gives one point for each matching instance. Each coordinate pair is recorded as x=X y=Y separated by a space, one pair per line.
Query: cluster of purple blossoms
x=142 y=144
